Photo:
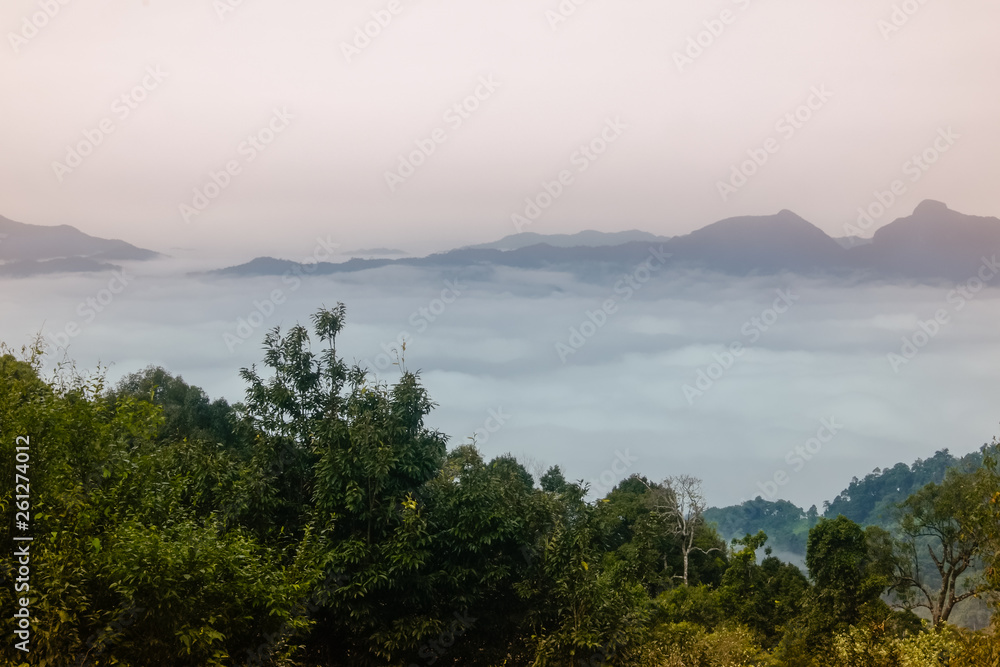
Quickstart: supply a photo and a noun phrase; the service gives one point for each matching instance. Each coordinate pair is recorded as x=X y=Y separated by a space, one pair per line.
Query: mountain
x=269 y=266
x=933 y=244
x=587 y=237
x=32 y=267
x=760 y=244
x=848 y=242
x=33 y=247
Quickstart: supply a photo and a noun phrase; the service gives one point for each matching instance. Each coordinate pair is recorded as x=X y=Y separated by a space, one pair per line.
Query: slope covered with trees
x=871 y=501
x=323 y=521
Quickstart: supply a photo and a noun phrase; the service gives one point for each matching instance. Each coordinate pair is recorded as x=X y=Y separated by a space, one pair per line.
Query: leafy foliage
x=322 y=522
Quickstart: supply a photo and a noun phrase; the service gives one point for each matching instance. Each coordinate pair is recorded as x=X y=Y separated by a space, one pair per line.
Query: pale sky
x=680 y=128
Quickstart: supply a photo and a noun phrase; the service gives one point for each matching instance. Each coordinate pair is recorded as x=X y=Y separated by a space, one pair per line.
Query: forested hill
x=870 y=501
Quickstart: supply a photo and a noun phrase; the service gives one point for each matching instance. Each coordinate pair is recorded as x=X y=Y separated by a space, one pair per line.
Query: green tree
x=988 y=491
x=482 y=518
x=341 y=463
x=126 y=566
x=553 y=481
x=580 y=610
x=848 y=574
x=642 y=539
x=764 y=597
x=942 y=522
x=187 y=410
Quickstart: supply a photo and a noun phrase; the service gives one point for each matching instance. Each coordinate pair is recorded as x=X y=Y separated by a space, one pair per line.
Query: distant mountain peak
x=39 y=243
x=930 y=207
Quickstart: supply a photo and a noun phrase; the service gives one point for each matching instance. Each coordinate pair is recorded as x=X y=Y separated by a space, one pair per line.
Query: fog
x=652 y=386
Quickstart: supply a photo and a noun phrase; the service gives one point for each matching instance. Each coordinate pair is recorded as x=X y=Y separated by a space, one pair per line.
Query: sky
x=119 y=116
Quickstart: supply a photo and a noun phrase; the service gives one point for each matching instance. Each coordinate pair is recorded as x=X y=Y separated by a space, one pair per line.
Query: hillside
x=33 y=249
x=868 y=502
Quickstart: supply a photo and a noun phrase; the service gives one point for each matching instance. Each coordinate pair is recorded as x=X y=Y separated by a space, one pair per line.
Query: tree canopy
x=323 y=521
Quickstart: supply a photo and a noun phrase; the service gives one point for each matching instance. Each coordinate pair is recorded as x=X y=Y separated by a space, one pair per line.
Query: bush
x=871 y=646
x=689 y=645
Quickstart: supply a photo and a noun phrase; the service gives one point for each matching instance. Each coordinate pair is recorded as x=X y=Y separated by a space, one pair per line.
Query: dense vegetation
x=322 y=522
x=872 y=501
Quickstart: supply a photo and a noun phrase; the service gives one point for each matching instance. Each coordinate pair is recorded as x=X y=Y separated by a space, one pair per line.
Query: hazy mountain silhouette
x=34 y=249
x=587 y=237
x=934 y=242
x=760 y=244
x=33 y=267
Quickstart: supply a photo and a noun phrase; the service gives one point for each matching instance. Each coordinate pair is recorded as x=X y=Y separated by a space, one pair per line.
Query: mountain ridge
x=924 y=246
x=27 y=249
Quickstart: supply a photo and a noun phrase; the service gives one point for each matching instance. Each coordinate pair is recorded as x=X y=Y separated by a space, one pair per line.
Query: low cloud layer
x=779 y=384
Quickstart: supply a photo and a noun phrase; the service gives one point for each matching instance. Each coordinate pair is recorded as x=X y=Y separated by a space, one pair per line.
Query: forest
x=323 y=522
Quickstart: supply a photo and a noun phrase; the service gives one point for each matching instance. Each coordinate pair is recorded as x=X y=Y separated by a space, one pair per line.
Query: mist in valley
x=780 y=386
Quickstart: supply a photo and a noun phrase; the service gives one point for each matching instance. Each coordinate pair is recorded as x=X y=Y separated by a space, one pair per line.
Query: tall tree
x=681 y=504
x=341 y=464
x=765 y=596
x=553 y=480
x=940 y=521
x=846 y=570
x=988 y=490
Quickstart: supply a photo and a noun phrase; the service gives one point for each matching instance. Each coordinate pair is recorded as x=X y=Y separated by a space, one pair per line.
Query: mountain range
x=934 y=243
